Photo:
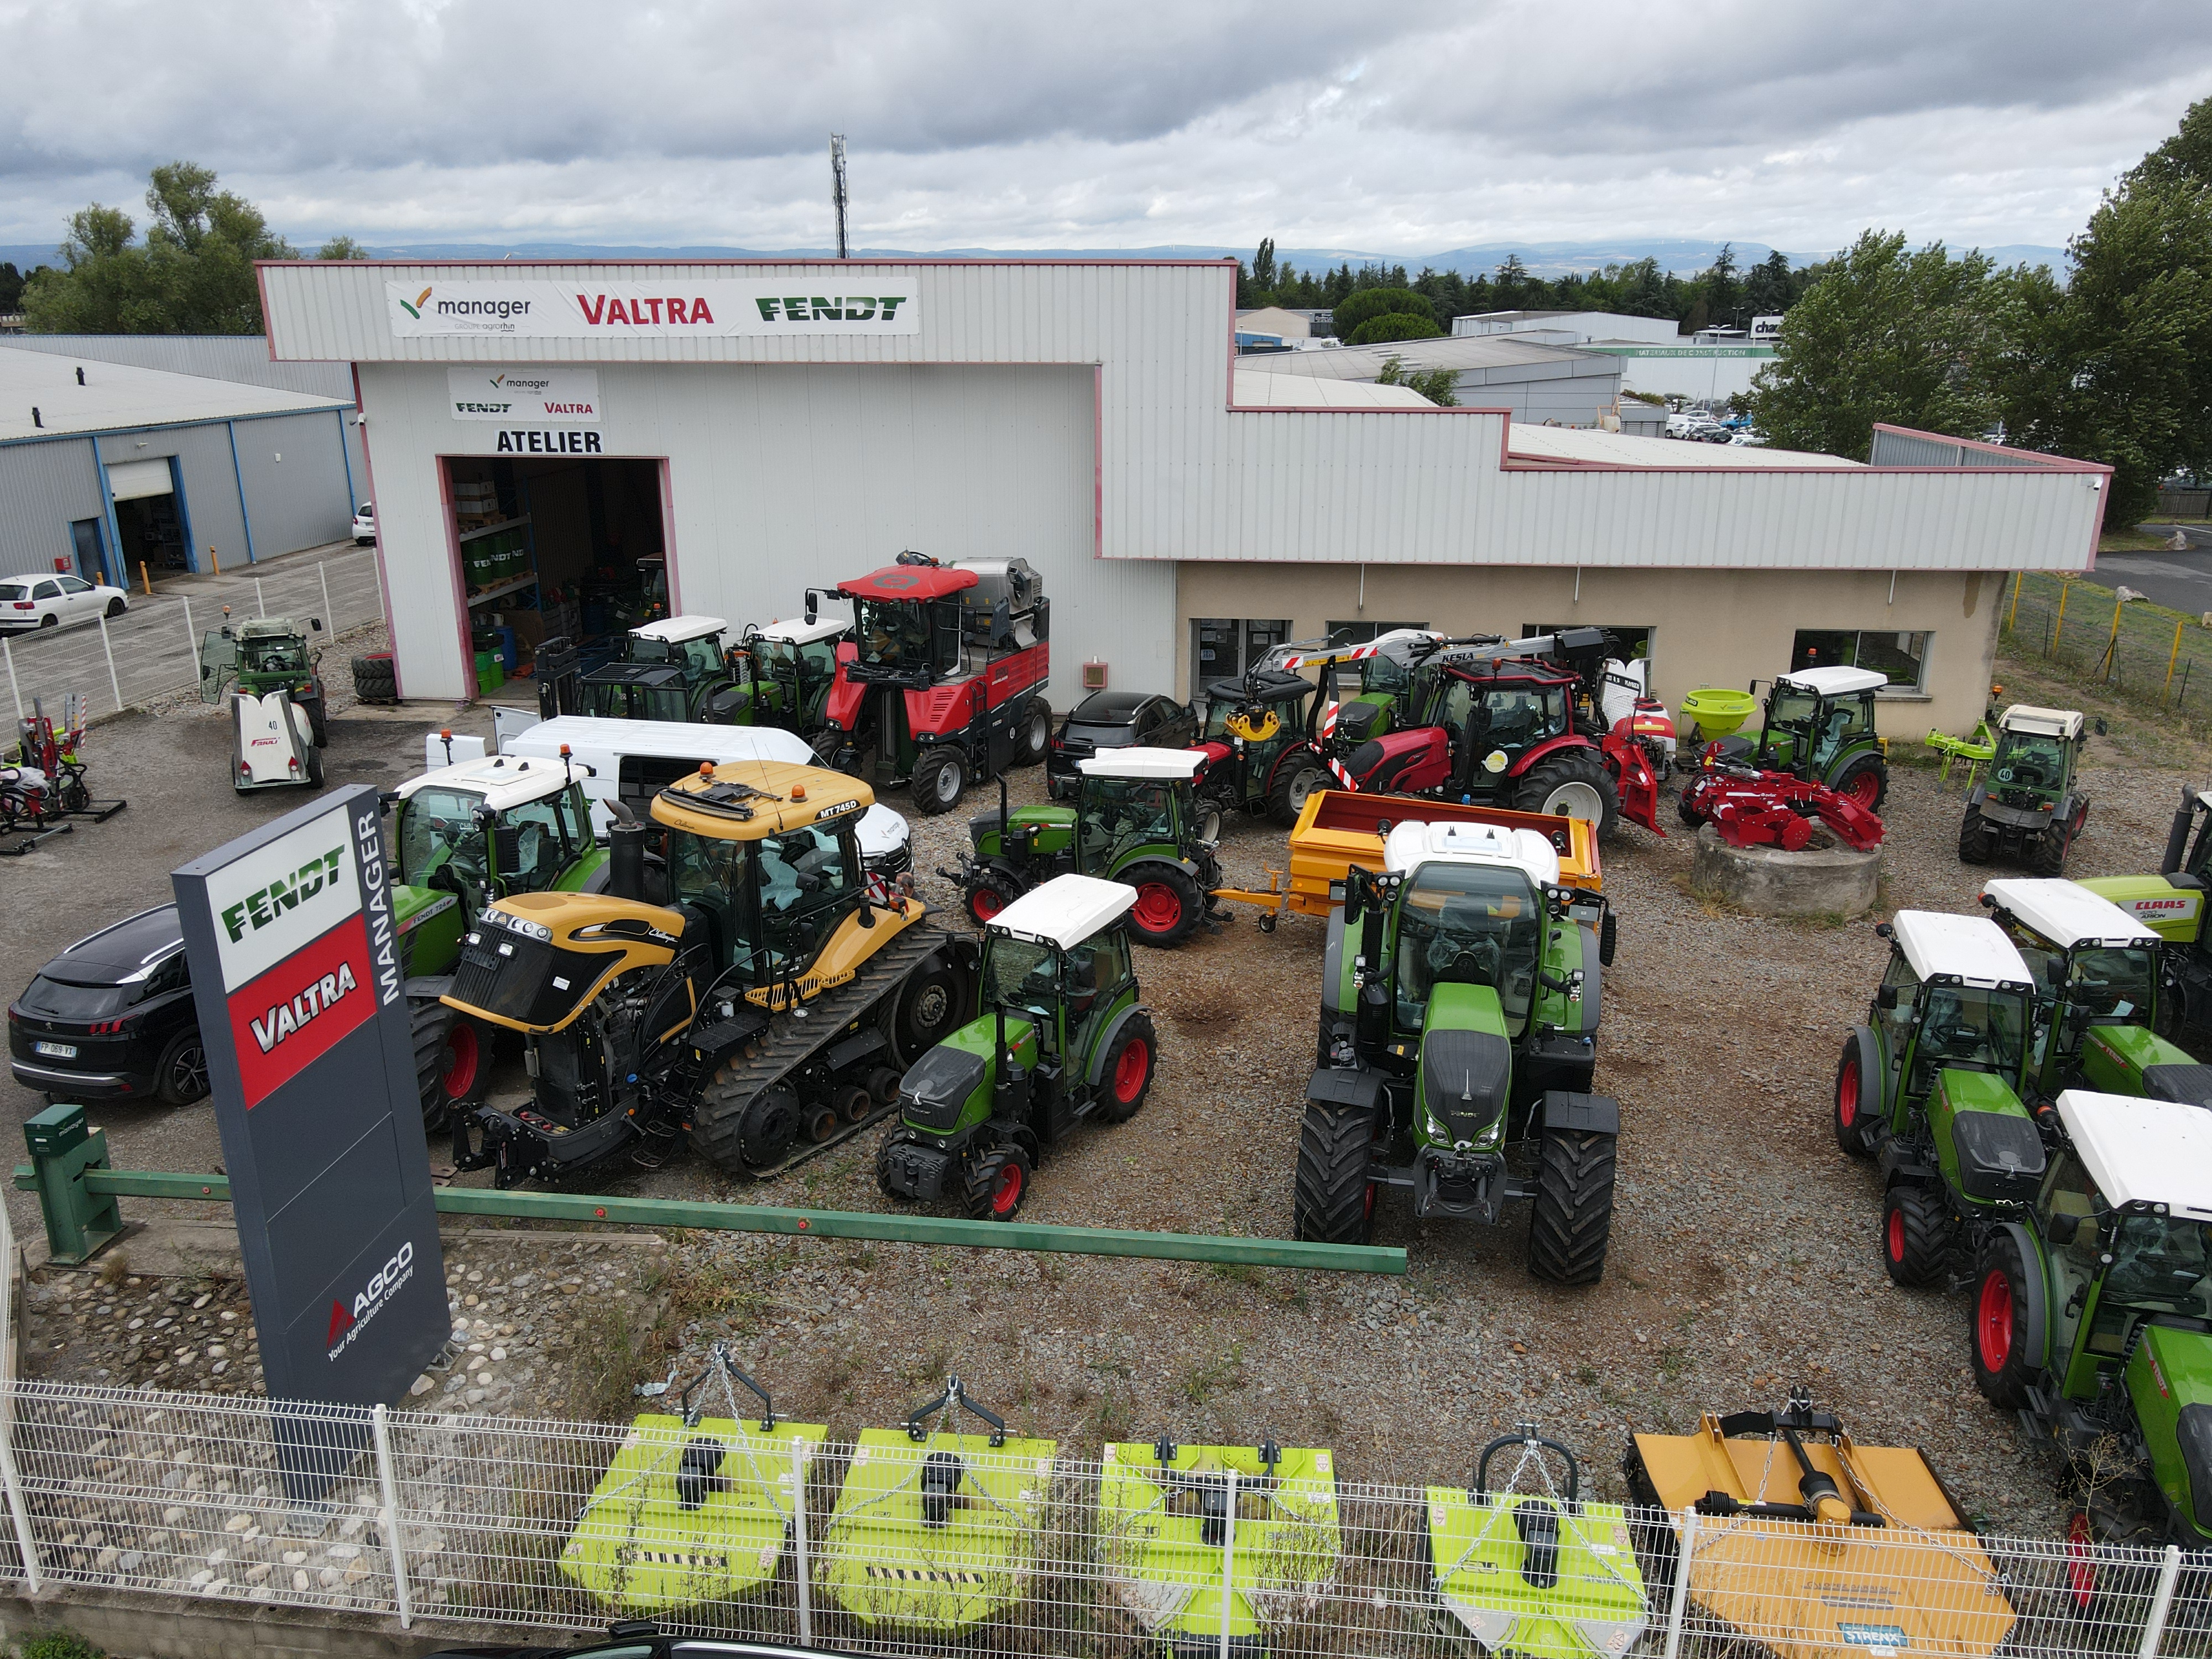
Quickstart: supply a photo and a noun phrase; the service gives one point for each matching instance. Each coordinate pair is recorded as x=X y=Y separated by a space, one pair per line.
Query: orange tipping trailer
x=1339 y=829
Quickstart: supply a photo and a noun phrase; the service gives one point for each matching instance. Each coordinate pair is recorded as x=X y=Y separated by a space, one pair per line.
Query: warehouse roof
x=118 y=397
x=1264 y=389
x=1583 y=446
x=1483 y=356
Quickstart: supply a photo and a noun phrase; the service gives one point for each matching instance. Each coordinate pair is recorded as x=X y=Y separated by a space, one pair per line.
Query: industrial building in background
x=176 y=453
x=1651 y=355
x=717 y=437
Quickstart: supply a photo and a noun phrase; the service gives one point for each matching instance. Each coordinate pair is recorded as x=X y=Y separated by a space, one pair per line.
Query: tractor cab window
x=1384 y=674
x=1837 y=724
x=702 y=658
x=1794 y=709
x=805 y=879
x=2113 y=984
x=1968 y=1028
x=2162 y=1264
x=709 y=873
x=1095 y=970
x=2068 y=1206
x=1121 y=815
x=1022 y=977
x=2030 y=760
x=547 y=836
x=278 y=656
x=1898 y=1021
x=615 y=700
x=438 y=830
x=1467 y=925
x=892 y=635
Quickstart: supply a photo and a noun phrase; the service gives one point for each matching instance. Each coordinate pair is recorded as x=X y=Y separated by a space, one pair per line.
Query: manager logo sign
x=516 y=395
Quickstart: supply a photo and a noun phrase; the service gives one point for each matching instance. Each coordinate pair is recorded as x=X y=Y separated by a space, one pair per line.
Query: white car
x=364 y=524
x=55 y=601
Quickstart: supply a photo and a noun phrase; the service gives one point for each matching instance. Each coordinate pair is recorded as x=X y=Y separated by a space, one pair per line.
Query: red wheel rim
x=1008 y=1191
x=1157 y=909
x=1865 y=788
x=1847 y=1094
x=985 y=902
x=1130 y=1070
x=464 y=1054
x=1897 y=1236
x=1993 y=1322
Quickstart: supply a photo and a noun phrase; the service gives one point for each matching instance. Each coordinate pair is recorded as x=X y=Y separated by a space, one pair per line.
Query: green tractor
x=1460 y=1002
x=1367 y=690
x=1935 y=1081
x=2028 y=804
x=1819 y=728
x=463 y=837
x=2172 y=905
x=279 y=708
x=669 y=670
x=1257 y=746
x=784 y=672
x=1060 y=1038
x=1135 y=820
x=2092 y=1313
x=2096 y=969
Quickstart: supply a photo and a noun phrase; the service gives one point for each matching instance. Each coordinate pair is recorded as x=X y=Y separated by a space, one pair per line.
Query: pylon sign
x=295 y=965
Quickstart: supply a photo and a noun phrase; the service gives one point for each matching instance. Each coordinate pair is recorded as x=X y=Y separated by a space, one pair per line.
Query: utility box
x=1094 y=676
x=56 y=1130
x=80 y=1223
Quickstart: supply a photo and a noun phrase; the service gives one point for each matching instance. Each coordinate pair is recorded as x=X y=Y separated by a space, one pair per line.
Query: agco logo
x=347 y=1323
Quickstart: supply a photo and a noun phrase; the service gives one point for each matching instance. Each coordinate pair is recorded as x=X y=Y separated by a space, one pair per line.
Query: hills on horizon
x=1545 y=259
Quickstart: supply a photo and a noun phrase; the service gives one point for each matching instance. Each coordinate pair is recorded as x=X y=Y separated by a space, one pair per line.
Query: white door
x=80 y=600
x=48 y=595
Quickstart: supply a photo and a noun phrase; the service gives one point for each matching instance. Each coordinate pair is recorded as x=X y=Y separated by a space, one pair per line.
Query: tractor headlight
x=528 y=929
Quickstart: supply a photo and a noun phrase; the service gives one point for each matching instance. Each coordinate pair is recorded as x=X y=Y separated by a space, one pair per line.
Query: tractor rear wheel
x=2048 y=856
x=1572 y=783
x=1168 y=903
x=1572 y=1220
x=453 y=1060
x=1126 y=1076
x=998 y=1181
x=1857 y=1118
x=1977 y=841
x=1998 y=1346
x=1297 y=779
x=1332 y=1200
x=992 y=893
x=314 y=768
x=1033 y=737
x=1917 y=1236
x=940 y=777
x=1865 y=780
x=929 y=1011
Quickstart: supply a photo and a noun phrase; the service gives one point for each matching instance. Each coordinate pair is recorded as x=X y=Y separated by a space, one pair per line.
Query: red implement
x=1750 y=808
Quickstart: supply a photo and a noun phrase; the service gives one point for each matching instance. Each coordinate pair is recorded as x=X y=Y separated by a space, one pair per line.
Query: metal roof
x=675 y=630
x=1971 y=948
x=2142 y=1151
x=1413 y=843
x=2066 y=913
x=1066 y=911
x=116 y=397
x=503 y=780
x=1264 y=389
x=1837 y=680
x=2045 y=722
x=1488 y=357
x=1584 y=447
x=1136 y=761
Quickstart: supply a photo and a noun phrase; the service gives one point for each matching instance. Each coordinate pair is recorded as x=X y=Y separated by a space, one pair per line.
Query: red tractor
x=1505 y=724
x=942 y=683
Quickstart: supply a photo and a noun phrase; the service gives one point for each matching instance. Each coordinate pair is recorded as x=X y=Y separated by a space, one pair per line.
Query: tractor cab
x=1957 y=997
x=1059 y=1036
x=2026 y=803
x=2093 y=1315
x=270 y=653
x=1258 y=755
x=2095 y=971
x=669 y=670
x=467 y=835
x=1470 y=922
x=784 y=673
x=1365 y=689
x=1819 y=727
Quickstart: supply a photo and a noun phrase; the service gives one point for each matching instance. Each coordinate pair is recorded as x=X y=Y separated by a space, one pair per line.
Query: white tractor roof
x=1413 y=843
x=2067 y=914
x=1066 y=911
x=1835 y=680
x=1972 y=948
x=503 y=780
x=592 y=738
x=1161 y=765
x=2142 y=1151
x=2045 y=722
x=800 y=631
x=676 y=629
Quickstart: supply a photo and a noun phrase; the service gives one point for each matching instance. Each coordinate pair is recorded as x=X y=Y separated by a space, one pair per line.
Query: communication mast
x=837 y=186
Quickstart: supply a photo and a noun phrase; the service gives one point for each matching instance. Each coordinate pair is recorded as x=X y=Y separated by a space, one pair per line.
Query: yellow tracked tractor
x=767 y=1007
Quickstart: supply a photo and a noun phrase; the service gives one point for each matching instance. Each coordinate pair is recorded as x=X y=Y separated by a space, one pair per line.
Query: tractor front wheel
x=940 y=777
x=1168 y=903
x=1033 y=739
x=1332 y=1200
x=1300 y=776
x=453 y=1061
x=1857 y=1114
x=1998 y=1345
x=1865 y=781
x=1977 y=841
x=1571 y=1222
x=998 y=1181
x=1572 y=783
x=1126 y=1076
x=992 y=893
x=1917 y=1236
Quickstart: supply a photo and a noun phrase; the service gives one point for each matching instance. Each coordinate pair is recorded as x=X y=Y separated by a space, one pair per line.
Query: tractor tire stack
x=376 y=678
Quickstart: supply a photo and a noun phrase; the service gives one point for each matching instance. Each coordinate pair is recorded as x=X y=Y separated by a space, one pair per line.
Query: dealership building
x=556 y=445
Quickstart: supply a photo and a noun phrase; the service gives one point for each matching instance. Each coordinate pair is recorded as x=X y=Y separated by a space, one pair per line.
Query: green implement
x=1209 y=1545
x=693 y=1509
x=1539 y=1574
x=936 y=1530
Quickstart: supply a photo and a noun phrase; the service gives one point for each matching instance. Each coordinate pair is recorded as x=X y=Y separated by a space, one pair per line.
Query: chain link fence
x=949 y=1546
x=2146 y=654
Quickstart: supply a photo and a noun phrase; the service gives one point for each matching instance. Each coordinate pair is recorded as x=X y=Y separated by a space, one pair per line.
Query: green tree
x=1363 y=304
x=193 y=274
x=11 y=286
x=1437 y=385
x=1768 y=285
x=342 y=248
x=1888 y=335
x=1394 y=325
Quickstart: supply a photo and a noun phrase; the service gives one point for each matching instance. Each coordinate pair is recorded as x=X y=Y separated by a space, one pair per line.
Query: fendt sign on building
x=296 y=975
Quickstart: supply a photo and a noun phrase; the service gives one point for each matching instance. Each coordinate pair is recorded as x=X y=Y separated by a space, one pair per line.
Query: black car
x=111 y=1018
x=1115 y=719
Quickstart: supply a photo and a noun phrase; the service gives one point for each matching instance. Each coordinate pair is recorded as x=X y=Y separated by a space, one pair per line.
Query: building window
x=1223 y=647
x=1364 y=633
x=1903 y=657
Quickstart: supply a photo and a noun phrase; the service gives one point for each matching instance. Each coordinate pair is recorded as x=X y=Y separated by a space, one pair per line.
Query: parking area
x=1743 y=1257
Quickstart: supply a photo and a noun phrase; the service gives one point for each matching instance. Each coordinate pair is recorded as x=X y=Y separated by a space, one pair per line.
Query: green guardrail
x=77 y=1190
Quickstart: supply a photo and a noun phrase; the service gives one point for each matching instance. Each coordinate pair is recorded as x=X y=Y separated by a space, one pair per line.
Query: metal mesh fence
x=953 y=1546
x=2145 y=653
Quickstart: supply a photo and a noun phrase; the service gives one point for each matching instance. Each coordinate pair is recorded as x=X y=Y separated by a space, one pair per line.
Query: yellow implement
x=1339 y=829
x=1819 y=1548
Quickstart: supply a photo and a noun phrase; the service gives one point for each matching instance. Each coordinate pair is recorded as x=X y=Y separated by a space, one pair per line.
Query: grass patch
x=59 y=1643
x=1201 y=1382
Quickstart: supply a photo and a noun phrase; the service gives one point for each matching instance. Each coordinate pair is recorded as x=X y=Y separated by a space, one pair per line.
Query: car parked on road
x=56 y=601
x=112 y=1018
x=1115 y=719
x=364 y=523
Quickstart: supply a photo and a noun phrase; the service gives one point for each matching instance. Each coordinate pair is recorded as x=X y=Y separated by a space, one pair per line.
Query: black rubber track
x=1572 y=1220
x=1925 y=1236
x=1329 y=1198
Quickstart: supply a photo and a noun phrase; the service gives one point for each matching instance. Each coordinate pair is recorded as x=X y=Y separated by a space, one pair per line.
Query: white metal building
x=754 y=428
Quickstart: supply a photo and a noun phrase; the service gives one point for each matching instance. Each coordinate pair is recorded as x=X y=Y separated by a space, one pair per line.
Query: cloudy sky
x=1416 y=126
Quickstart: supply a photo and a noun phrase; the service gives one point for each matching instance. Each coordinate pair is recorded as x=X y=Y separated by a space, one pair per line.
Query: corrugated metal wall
x=300 y=500
x=43 y=487
x=210 y=484
x=1911 y=449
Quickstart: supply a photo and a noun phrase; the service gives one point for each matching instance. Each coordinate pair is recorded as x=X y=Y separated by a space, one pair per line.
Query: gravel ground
x=1744 y=1250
